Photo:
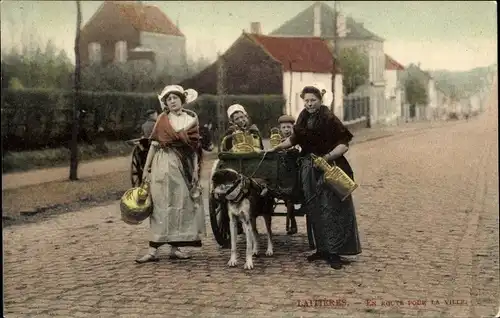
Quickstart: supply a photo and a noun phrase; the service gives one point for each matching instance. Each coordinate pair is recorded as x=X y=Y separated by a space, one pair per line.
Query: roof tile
x=147 y=18
x=392 y=64
x=299 y=54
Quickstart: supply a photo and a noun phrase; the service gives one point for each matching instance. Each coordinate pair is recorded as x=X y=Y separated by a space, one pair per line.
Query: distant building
x=317 y=21
x=259 y=65
x=395 y=107
x=124 y=31
x=430 y=110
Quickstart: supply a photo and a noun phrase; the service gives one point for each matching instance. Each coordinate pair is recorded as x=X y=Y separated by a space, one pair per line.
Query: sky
x=453 y=35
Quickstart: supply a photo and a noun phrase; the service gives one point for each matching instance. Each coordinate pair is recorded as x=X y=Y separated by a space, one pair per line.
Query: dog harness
x=241 y=188
x=237 y=192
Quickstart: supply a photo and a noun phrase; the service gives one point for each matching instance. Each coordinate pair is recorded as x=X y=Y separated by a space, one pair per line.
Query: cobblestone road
x=428 y=215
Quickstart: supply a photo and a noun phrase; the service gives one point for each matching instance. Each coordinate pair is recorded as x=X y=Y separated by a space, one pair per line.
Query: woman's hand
x=336 y=153
x=146 y=175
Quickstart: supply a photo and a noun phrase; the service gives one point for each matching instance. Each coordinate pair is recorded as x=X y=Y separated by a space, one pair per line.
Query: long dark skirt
x=333 y=222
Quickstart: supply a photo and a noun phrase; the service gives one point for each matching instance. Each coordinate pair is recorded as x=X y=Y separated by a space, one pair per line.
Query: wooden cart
x=138 y=160
x=280 y=170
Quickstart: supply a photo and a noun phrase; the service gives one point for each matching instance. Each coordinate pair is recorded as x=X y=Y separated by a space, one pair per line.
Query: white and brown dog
x=246 y=199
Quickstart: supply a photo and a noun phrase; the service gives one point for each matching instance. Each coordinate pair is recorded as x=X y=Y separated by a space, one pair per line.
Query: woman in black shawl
x=318 y=131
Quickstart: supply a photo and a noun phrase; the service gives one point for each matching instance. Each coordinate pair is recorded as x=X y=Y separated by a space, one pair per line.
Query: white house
x=432 y=106
x=257 y=64
x=393 y=91
x=475 y=103
x=444 y=105
x=317 y=20
x=305 y=61
x=429 y=110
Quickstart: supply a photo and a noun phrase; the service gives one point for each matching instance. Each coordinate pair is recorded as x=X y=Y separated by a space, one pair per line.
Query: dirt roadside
x=30 y=196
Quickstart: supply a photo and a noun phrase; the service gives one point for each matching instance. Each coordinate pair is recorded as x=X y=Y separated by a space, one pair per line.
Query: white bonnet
x=320 y=87
x=235 y=108
x=326 y=94
x=190 y=93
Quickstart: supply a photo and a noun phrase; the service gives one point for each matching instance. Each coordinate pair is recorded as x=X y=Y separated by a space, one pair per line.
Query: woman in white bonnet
x=173 y=168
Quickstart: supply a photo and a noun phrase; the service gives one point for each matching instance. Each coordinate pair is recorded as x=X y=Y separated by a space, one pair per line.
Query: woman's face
x=174 y=103
x=311 y=102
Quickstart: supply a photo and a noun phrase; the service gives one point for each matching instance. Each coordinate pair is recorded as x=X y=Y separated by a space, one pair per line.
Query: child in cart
x=286 y=123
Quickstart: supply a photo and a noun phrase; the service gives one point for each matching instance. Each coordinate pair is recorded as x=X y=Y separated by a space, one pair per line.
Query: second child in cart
x=286 y=123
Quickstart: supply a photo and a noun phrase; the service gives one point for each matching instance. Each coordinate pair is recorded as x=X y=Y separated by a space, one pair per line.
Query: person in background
x=147 y=127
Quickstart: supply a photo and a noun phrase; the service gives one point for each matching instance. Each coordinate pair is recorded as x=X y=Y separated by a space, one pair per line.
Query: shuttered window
x=95 y=52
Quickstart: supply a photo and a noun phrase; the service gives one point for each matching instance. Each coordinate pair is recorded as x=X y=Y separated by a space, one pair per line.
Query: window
x=121 y=52
x=95 y=52
x=378 y=67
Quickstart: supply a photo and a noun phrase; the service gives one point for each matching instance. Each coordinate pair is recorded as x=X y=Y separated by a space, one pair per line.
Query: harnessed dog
x=246 y=198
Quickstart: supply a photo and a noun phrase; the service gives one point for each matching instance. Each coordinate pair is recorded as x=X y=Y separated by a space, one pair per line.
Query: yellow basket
x=339 y=181
x=136 y=205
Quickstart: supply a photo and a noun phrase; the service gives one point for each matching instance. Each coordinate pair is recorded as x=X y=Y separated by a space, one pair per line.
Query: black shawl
x=326 y=133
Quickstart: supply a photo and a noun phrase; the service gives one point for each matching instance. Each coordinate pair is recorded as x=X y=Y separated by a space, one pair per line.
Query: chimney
x=317 y=19
x=255 y=28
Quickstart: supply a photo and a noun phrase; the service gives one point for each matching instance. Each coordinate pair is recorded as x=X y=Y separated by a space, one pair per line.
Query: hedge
x=37 y=119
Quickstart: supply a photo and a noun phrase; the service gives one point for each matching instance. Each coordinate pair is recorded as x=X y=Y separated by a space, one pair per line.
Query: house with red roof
x=394 y=90
x=259 y=65
x=124 y=31
x=318 y=20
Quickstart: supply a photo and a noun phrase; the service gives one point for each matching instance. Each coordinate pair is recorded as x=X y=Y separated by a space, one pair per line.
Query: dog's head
x=225 y=181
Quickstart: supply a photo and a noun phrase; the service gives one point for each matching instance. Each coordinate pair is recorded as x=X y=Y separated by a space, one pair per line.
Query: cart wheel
x=136 y=167
x=310 y=234
x=219 y=218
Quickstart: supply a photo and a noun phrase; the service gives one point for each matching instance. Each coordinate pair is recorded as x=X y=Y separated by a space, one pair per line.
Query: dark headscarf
x=311 y=90
x=320 y=132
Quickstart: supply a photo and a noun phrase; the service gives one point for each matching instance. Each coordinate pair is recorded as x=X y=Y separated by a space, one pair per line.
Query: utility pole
x=73 y=167
x=335 y=53
x=220 y=99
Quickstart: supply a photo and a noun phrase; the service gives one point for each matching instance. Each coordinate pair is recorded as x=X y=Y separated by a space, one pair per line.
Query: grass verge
x=37 y=202
x=60 y=157
x=37 y=159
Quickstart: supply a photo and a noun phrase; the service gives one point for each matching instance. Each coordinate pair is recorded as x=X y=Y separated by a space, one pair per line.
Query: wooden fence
x=357 y=111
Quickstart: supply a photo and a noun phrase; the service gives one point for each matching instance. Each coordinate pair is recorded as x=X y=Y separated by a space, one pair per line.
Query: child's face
x=286 y=129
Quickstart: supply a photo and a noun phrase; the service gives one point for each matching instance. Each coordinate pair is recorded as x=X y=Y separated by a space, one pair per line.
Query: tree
x=415 y=91
x=73 y=168
x=135 y=76
x=355 y=65
x=37 y=68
